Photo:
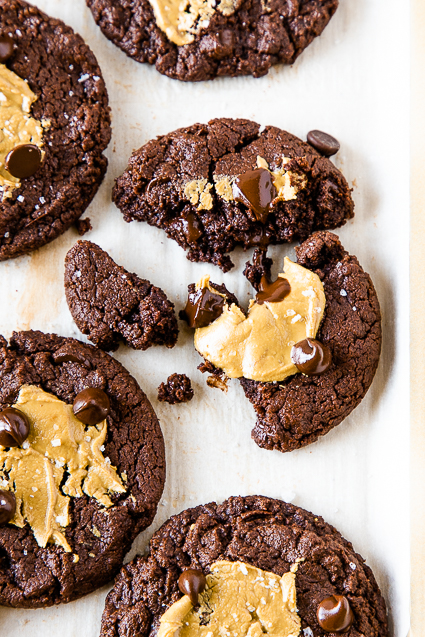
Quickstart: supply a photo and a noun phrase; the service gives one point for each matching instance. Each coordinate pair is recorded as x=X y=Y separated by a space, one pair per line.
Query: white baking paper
x=352 y=82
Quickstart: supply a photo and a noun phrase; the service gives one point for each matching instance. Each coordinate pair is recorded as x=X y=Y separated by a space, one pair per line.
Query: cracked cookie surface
x=254 y=37
x=110 y=304
x=31 y=576
x=297 y=411
x=266 y=533
x=181 y=182
x=64 y=75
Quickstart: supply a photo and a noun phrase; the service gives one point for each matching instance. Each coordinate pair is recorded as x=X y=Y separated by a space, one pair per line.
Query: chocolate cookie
x=68 y=107
x=297 y=411
x=254 y=531
x=108 y=303
x=98 y=535
x=201 y=40
x=197 y=184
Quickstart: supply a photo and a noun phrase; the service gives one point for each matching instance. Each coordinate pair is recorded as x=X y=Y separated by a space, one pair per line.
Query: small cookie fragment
x=83 y=226
x=110 y=304
x=177 y=389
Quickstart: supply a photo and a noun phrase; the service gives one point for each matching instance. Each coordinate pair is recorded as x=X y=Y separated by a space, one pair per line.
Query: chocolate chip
x=202 y=308
x=272 y=292
x=334 y=614
x=311 y=357
x=6 y=48
x=7 y=506
x=23 y=161
x=14 y=427
x=91 y=406
x=256 y=190
x=192 y=582
x=70 y=355
x=324 y=143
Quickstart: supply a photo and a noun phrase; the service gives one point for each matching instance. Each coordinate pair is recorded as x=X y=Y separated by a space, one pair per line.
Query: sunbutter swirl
x=258 y=346
x=239 y=600
x=57 y=443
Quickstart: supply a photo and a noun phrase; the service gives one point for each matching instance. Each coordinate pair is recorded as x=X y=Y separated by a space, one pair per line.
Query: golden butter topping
x=16 y=124
x=239 y=600
x=258 y=346
x=57 y=442
x=181 y=20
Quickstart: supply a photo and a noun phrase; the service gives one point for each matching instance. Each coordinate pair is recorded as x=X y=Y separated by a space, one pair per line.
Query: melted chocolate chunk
x=192 y=582
x=324 y=143
x=91 y=406
x=256 y=190
x=70 y=355
x=334 y=614
x=6 y=48
x=23 y=161
x=272 y=292
x=191 y=227
x=7 y=506
x=14 y=427
x=202 y=308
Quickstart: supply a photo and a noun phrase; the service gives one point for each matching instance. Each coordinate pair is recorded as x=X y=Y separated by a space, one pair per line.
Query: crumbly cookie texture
x=297 y=411
x=259 y=531
x=99 y=538
x=182 y=183
x=177 y=389
x=63 y=74
x=200 y=39
x=110 y=304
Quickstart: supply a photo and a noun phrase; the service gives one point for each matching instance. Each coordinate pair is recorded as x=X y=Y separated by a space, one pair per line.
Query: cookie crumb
x=218 y=379
x=177 y=389
x=83 y=226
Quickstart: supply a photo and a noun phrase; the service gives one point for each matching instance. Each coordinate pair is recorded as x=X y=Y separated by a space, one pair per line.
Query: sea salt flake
x=343 y=293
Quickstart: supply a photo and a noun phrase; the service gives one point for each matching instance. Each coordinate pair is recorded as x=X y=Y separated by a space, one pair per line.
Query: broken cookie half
x=110 y=304
x=212 y=187
x=307 y=348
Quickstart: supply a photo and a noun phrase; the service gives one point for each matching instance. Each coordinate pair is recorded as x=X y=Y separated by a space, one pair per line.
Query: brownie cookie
x=177 y=389
x=203 y=40
x=200 y=184
x=252 y=531
x=108 y=303
x=295 y=412
x=84 y=554
x=67 y=116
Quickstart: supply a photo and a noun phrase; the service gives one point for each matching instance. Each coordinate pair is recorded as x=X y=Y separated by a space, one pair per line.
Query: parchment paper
x=354 y=83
